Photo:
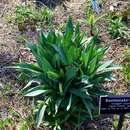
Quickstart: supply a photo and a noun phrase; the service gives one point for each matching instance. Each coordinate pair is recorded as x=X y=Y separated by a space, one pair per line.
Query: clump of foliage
x=117 y=28
x=29 y=15
x=66 y=78
x=5 y=122
x=26 y=123
x=92 y=21
x=126 y=70
x=129 y=5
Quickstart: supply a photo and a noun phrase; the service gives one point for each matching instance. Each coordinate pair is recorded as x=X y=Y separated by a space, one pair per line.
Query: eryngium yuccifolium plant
x=68 y=75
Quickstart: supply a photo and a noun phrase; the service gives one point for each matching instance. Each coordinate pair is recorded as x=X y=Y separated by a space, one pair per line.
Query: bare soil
x=12 y=51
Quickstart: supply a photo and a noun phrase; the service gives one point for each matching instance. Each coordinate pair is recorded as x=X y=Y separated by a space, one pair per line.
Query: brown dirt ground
x=12 y=50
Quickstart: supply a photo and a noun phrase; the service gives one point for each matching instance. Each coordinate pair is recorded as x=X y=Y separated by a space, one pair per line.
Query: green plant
x=45 y=14
x=115 y=122
x=129 y=5
x=91 y=20
x=127 y=73
x=23 y=12
x=29 y=15
x=117 y=28
x=26 y=123
x=67 y=77
x=128 y=44
x=126 y=68
x=5 y=122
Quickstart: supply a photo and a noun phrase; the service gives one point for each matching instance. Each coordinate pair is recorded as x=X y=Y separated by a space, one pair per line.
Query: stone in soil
x=1 y=23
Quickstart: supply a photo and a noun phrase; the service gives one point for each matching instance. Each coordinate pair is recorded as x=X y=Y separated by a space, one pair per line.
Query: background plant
x=29 y=15
x=66 y=78
x=6 y=122
x=126 y=70
x=92 y=19
x=26 y=123
x=129 y=5
x=117 y=28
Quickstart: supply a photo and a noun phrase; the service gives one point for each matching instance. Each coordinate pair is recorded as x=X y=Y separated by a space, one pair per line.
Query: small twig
x=2 y=14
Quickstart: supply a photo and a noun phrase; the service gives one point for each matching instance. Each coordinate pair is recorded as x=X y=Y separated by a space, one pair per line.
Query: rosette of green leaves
x=118 y=29
x=68 y=76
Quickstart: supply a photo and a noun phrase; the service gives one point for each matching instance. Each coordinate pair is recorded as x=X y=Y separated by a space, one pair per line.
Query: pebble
x=1 y=25
x=1 y=86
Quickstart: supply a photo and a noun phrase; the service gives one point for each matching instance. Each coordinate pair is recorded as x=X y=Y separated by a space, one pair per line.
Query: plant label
x=114 y=104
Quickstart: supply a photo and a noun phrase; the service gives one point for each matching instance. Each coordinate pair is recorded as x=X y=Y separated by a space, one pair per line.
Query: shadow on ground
x=6 y=60
x=49 y=3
